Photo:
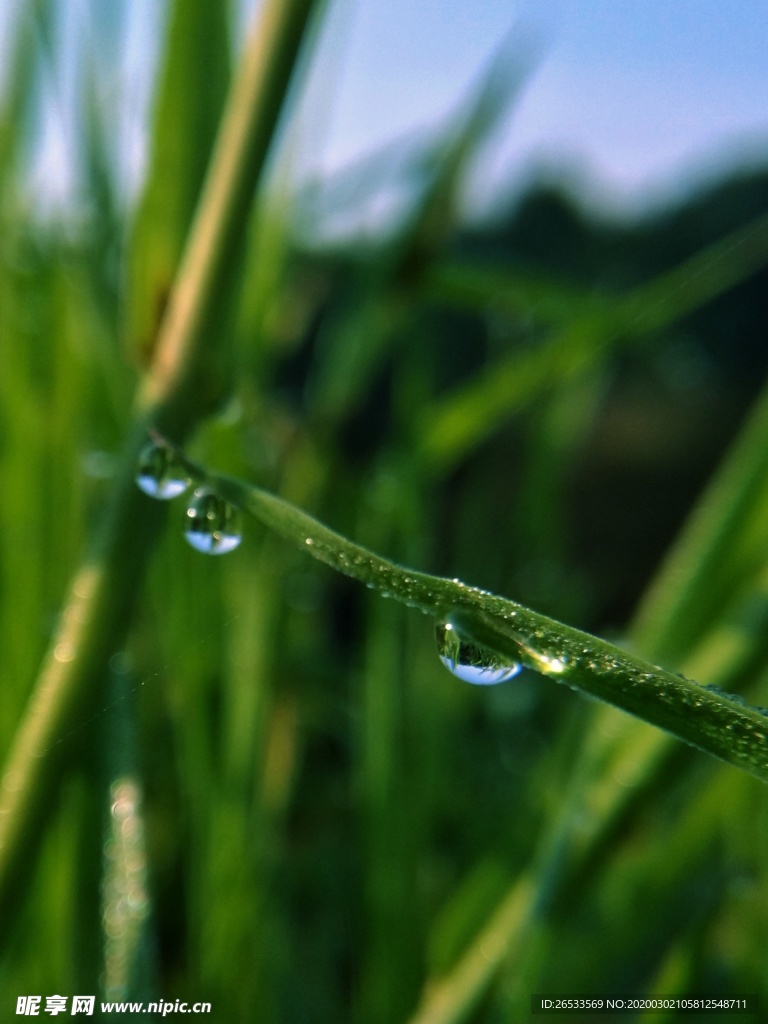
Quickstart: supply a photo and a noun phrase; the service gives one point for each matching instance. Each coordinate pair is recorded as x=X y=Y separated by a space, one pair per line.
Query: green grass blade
x=187 y=111
x=20 y=85
x=451 y=427
x=128 y=965
x=187 y=374
x=687 y=593
x=705 y=719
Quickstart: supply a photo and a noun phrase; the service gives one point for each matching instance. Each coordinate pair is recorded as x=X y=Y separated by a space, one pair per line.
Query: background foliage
x=279 y=800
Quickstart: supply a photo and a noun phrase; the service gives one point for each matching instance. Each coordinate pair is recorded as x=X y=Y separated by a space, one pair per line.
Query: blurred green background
x=282 y=802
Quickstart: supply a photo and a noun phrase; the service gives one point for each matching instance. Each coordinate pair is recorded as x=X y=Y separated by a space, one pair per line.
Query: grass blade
x=703 y=718
x=453 y=426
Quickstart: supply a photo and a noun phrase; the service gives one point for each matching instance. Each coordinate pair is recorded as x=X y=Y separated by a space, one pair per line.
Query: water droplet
x=549 y=665
x=736 y=697
x=160 y=474
x=99 y=465
x=213 y=525
x=64 y=652
x=468 y=662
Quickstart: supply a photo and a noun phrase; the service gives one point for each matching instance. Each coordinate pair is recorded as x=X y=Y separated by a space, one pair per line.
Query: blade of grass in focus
x=706 y=719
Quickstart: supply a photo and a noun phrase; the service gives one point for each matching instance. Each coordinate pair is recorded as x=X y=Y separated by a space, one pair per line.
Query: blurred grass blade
x=717 y=268
x=522 y=920
x=449 y=999
x=688 y=592
x=353 y=350
x=451 y=427
x=125 y=890
x=435 y=212
x=187 y=111
x=187 y=365
x=20 y=85
x=393 y=934
x=102 y=593
x=513 y=292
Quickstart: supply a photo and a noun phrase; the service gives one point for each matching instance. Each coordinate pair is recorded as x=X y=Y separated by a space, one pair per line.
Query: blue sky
x=634 y=97
x=638 y=96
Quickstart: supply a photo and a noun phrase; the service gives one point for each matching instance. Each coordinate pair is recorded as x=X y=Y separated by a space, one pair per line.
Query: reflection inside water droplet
x=213 y=525
x=470 y=663
x=160 y=474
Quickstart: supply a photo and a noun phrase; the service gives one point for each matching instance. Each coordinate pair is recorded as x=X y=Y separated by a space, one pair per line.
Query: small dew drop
x=160 y=474
x=99 y=465
x=213 y=525
x=549 y=665
x=468 y=662
x=12 y=781
x=64 y=652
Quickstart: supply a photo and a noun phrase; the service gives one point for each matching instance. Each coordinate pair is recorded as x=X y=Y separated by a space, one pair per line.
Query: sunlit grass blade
x=188 y=105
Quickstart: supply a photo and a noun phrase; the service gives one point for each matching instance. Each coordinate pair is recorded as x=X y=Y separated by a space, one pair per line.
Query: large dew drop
x=213 y=525
x=468 y=662
x=160 y=474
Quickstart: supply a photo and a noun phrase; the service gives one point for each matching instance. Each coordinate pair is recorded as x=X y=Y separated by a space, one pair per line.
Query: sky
x=634 y=99
x=637 y=97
